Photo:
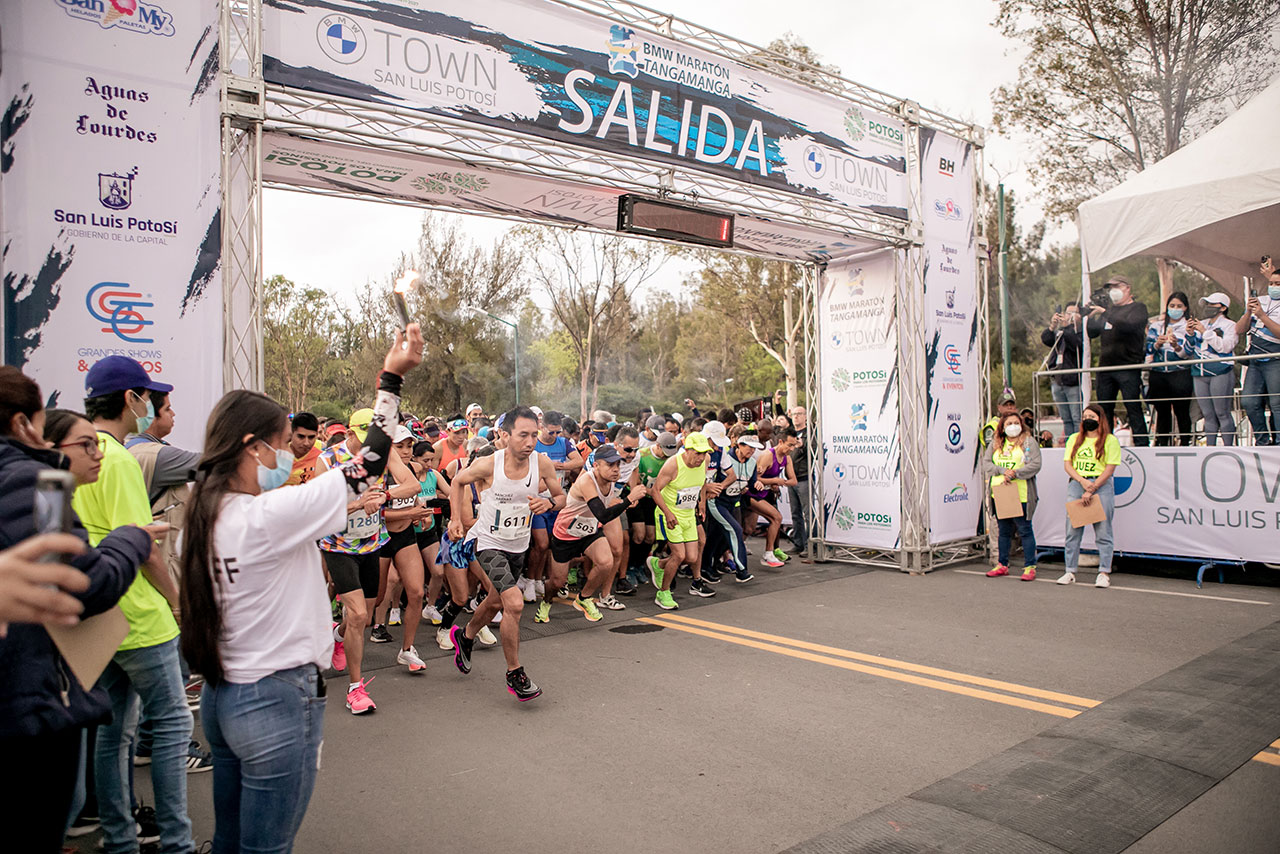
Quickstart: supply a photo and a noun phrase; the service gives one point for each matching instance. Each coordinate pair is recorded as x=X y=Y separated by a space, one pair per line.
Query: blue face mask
x=144 y=421
x=1273 y=291
x=269 y=478
x=1176 y=313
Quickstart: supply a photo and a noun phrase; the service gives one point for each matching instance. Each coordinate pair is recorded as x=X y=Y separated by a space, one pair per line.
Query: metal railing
x=1242 y=433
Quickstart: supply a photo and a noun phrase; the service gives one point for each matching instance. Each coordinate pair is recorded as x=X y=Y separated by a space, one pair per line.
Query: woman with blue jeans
x=257 y=608
x=1091 y=458
x=1013 y=456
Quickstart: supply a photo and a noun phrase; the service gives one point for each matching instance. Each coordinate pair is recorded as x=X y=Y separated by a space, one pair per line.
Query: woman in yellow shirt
x=1013 y=456
x=1091 y=458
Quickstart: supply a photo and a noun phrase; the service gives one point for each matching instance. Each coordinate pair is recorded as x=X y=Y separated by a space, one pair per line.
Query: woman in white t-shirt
x=256 y=613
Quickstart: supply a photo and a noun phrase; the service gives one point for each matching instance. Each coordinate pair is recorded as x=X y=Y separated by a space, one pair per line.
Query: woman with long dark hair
x=255 y=605
x=1170 y=387
x=1013 y=456
x=1091 y=458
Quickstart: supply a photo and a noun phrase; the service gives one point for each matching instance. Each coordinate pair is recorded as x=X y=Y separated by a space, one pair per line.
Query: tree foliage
x=1109 y=87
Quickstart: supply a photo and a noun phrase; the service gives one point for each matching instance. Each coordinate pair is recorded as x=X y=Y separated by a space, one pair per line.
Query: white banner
x=951 y=335
x=111 y=194
x=1191 y=502
x=575 y=77
x=861 y=484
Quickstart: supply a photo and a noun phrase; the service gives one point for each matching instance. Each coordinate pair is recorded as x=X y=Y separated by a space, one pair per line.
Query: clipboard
x=1079 y=515
x=1008 y=500
x=89 y=645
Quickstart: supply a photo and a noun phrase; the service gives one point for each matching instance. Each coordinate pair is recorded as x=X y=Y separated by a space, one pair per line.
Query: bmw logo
x=1130 y=478
x=341 y=39
x=815 y=162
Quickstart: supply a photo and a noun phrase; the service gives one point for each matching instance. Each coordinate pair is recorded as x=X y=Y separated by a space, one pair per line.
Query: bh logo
x=815 y=162
x=341 y=39
x=858 y=417
x=954 y=434
x=623 y=58
x=114 y=304
x=1130 y=478
x=947 y=209
x=951 y=356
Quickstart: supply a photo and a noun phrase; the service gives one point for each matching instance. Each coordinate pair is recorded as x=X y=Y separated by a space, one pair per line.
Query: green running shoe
x=655 y=570
x=588 y=608
x=665 y=600
x=543 y=614
x=781 y=555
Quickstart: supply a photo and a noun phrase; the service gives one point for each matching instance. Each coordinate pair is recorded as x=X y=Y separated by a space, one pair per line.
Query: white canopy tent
x=1213 y=205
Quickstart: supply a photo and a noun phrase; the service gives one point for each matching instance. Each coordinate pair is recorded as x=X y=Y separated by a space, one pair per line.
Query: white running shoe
x=485 y=636
x=539 y=590
x=442 y=640
x=528 y=589
x=610 y=603
x=771 y=561
x=433 y=614
x=1067 y=578
x=393 y=618
x=409 y=657
x=1104 y=580
x=497 y=618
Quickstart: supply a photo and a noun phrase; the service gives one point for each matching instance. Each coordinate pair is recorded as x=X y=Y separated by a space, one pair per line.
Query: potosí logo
x=858 y=127
x=874 y=520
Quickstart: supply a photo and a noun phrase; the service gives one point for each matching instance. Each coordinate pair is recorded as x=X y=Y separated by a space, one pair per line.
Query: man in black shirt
x=800 y=492
x=1123 y=330
x=1063 y=339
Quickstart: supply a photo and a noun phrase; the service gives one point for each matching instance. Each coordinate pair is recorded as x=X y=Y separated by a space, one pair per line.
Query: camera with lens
x=1098 y=299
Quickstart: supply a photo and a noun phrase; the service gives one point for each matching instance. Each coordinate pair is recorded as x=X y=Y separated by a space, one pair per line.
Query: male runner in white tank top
x=509 y=483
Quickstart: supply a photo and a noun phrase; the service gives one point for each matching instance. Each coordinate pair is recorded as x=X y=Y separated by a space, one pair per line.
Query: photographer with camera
x=1120 y=322
x=1063 y=339
x=1261 y=389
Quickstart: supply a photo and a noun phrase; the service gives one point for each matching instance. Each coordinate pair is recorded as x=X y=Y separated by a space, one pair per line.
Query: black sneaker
x=380 y=634
x=198 y=759
x=521 y=687
x=684 y=571
x=743 y=575
x=624 y=588
x=711 y=575
x=148 y=829
x=84 y=825
x=141 y=754
x=699 y=587
x=461 y=648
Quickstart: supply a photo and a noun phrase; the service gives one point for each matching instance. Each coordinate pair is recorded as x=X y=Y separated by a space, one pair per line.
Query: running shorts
x=563 y=551
x=643 y=511
x=544 y=521
x=685 y=531
x=428 y=537
x=503 y=568
x=397 y=540
x=350 y=573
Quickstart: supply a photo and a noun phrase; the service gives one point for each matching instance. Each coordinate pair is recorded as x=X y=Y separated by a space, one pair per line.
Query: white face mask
x=1116 y=295
x=1013 y=431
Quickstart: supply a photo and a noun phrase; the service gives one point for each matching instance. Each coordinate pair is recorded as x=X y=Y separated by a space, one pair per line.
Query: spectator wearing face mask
x=1170 y=388
x=1063 y=338
x=1262 y=376
x=1211 y=336
x=1013 y=456
x=1121 y=328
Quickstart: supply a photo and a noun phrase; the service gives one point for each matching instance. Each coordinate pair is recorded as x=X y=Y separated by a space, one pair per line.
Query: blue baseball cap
x=118 y=373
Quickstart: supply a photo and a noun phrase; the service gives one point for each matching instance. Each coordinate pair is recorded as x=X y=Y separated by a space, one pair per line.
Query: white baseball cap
x=750 y=441
x=1217 y=298
x=474 y=407
x=714 y=430
x=401 y=433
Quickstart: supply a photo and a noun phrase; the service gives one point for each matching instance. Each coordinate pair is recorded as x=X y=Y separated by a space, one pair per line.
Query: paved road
x=765 y=717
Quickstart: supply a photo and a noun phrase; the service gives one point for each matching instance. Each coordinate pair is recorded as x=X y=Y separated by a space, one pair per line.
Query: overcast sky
x=942 y=53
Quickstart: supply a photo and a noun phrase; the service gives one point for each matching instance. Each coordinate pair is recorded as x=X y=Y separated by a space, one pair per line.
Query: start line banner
x=110 y=195
x=565 y=74
x=1189 y=502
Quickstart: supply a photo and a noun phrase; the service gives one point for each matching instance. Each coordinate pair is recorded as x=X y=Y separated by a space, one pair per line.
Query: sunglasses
x=458 y=425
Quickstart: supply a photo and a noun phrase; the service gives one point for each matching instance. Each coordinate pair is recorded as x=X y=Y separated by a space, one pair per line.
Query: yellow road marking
x=890 y=662
x=1269 y=758
x=873 y=671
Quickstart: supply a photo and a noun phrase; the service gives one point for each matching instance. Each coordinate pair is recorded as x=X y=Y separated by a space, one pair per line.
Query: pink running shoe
x=999 y=570
x=358 y=699
x=339 y=656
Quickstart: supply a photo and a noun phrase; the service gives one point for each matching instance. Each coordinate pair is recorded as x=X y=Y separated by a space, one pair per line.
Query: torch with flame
x=404 y=284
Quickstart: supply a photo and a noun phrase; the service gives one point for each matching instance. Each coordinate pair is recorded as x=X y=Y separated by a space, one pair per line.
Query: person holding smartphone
x=1261 y=391
x=1210 y=336
x=1062 y=337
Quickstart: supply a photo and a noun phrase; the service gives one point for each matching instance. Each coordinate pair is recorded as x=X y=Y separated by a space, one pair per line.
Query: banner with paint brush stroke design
x=585 y=80
x=111 y=194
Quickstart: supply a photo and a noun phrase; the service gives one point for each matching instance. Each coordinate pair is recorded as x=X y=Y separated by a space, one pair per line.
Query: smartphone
x=53 y=513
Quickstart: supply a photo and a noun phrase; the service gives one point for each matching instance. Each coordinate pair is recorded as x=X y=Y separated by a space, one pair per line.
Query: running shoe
x=770 y=561
x=665 y=600
x=442 y=639
x=193 y=688
x=148 y=828
x=711 y=575
x=379 y=634
x=393 y=617
x=684 y=571
x=335 y=611
x=521 y=687
x=485 y=636
x=471 y=605
x=998 y=570
x=743 y=575
x=141 y=754
x=1104 y=580
x=198 y=759
x=409 y=658
x=573 y=577
x=701 y=588
x=781 y=555
x=497 y=618
x=655 y=570
x=588 y=609
x=339 y=661
x=83 y=825
x=1068 y=577
x=543 y=614
x=1029 y=573
x=539 y=589
x=432 y=613
x=528 y=589
x=358 y=699
x=461 y=649
x=610 y=603
x=624 y=587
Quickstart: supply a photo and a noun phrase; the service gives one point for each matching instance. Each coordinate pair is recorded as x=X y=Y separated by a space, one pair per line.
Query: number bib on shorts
x=511 y=521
